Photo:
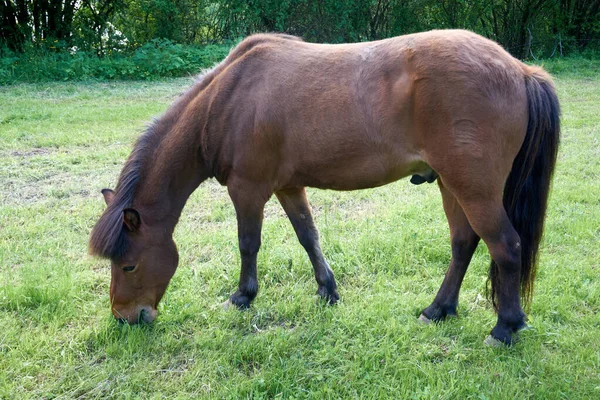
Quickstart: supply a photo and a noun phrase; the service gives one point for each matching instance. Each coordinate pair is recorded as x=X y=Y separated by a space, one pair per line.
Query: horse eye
x=129 y=269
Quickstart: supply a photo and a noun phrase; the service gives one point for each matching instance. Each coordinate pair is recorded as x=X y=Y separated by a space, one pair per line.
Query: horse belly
x=355 y=154
x=358 y=171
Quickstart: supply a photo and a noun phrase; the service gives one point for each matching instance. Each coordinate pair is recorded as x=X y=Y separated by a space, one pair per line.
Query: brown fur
x=279 y=114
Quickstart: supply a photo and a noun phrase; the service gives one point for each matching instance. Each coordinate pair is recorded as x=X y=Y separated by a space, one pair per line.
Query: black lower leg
x=296 y=206
x=506 y=252
x=509 y=323
x=511 y=317
x=248 y=285
x=249 y=212
x=446 y=301
x=464 y=242
x=323 y=274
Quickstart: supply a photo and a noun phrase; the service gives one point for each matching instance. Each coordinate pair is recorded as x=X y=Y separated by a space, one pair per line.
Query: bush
x=155 y=59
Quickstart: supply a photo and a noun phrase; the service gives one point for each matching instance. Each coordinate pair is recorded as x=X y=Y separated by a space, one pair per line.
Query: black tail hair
x=526 y=189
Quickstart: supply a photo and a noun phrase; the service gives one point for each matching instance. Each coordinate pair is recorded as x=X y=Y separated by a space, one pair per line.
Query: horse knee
x=249 y=245
x=308 y=238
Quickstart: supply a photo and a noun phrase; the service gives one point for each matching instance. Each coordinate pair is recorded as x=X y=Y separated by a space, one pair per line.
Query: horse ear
x=109 y=195
x=131 y=219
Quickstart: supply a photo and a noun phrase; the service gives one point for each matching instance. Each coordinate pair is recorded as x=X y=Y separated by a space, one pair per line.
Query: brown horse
x=279 y=114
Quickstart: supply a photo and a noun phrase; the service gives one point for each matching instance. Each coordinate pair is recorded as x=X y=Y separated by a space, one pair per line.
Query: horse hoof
x=424 y=320
x=330 y=296
x=492 y=342
x=226 y=305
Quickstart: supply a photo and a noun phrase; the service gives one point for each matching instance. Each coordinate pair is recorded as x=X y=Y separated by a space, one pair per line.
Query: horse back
x=359 y=115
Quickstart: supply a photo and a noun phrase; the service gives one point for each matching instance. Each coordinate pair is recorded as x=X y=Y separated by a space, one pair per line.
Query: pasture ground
x=60 y=143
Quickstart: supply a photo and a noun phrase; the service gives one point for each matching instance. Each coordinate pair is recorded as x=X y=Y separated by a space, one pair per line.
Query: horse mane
x=108 y=238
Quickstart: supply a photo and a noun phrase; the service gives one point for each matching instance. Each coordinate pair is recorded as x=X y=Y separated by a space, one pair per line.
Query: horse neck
x=174 y=169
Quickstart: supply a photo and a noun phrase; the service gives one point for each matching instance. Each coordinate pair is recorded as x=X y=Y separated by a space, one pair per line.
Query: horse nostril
x=147 y=315
x=142 y=316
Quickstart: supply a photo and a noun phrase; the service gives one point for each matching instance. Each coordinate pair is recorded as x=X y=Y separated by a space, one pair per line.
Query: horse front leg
x=249 y=202
x=297 y=208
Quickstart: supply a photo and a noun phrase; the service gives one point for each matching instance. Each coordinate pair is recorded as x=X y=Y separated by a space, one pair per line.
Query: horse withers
x=279 y=114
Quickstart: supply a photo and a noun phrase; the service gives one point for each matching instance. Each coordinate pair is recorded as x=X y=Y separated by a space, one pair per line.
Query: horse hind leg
x=464 y=242
x=485 y=212
x=492 y=223
x=297 y=208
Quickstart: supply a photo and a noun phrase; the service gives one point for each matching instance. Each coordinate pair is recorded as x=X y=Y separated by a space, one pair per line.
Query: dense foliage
x=157 y=58
x=104 y=25
x=114 y=38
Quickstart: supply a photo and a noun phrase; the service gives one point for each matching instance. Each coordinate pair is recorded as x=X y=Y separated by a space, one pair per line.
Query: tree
x=36 y=20
x=579 y=19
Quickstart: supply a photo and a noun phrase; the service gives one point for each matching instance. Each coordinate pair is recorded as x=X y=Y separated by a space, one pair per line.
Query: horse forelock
x=108 y=238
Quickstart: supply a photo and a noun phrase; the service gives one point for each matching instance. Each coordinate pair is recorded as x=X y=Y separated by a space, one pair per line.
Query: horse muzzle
x=141 y=314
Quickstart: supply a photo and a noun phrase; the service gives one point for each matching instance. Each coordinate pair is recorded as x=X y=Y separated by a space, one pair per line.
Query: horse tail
x=527 y=186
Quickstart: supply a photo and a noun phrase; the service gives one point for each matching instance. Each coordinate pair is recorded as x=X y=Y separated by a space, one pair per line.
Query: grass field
x=61 y=143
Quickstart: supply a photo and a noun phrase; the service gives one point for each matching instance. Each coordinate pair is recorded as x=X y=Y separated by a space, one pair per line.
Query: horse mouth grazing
x=144 y=315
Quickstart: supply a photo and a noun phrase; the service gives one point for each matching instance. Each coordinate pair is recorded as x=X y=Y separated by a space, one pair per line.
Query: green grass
x=60 y=143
